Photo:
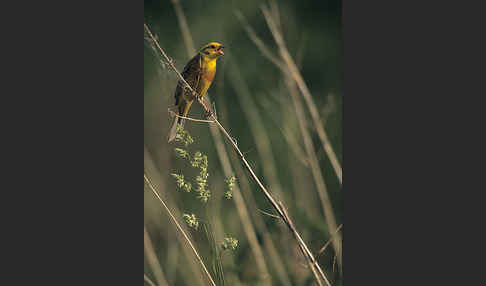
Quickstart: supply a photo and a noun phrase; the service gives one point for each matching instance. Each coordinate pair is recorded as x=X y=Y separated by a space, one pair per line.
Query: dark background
x=72 y=116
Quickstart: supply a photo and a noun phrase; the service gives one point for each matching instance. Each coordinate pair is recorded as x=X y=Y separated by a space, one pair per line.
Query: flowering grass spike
x=181 y=183
x=183 y=136
x=230 y=184
x=191 y=220
x=182 y=153
x=229 y=243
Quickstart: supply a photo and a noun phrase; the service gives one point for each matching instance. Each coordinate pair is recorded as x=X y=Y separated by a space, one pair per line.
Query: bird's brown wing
x=192 y=74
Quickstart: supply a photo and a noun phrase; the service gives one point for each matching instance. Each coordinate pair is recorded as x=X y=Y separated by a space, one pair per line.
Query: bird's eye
x=212 y=46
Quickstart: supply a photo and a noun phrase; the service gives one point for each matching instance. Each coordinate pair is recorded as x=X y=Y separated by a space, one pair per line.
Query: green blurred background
x=245 y=80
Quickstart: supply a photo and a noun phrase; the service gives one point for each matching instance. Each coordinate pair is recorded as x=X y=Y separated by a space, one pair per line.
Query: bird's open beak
x=220 y=50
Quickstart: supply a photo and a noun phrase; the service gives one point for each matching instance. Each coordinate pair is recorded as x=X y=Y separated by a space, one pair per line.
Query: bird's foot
x=208 y=114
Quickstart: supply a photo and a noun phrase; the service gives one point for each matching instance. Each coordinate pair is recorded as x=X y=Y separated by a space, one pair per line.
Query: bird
x=199 y=73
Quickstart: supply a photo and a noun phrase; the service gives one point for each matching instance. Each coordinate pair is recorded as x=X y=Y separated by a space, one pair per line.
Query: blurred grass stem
x=152 y=259
x=186 y=33
x=145 y=277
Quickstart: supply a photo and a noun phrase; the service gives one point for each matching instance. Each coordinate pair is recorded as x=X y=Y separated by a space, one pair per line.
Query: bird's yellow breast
x=208 y=73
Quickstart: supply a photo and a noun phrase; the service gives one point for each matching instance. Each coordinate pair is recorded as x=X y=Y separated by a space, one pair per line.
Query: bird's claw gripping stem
x=208 y=114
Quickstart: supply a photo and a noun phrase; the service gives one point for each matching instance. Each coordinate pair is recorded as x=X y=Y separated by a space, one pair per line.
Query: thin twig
x=180 y=229
x=328 y=242
x=302 y=245
x=189 y=118
x=269 y=214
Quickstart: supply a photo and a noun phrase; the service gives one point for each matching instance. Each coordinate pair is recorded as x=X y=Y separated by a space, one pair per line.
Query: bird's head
x=212 y=50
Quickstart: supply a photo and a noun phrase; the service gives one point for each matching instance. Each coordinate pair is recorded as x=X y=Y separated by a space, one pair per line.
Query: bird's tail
x=183 y=110
x=173 y=129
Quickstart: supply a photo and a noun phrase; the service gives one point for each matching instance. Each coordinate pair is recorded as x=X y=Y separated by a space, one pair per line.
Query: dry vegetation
x=278 y=240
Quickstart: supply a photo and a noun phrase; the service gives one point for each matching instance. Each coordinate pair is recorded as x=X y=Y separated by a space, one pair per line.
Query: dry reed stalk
x=296 y=75
x=152 y=259
x=307 y=253
x=292 y=76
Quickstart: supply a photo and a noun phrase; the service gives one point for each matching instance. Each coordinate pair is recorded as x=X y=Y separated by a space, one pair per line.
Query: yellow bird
x=199 y=73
